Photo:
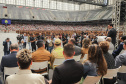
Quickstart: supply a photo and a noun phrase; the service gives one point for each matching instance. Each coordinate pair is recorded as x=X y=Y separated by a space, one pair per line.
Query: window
x=59 y=5
x=65 y=6
x=45 y=3
x=10 y=1
x=38 y=3
x=29 y=3
x=2 y=1
x=53 y=5
x=20 y=2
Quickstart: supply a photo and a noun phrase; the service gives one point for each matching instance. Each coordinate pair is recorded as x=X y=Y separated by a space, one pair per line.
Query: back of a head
x=14 y=47
x=108 y=39
x=69 y=50
x=24 y=57
x=95 y=55
x=123 y=38
x=86 y=43
x=104 y=46
x=111 y=25
x=72 y=41
x=39 y=43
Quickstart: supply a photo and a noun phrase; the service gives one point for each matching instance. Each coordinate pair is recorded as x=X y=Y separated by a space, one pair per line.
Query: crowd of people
x=48 y=48
x=43 y=27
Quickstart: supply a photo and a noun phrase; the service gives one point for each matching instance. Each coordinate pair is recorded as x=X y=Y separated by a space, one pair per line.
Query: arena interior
x=25 y=22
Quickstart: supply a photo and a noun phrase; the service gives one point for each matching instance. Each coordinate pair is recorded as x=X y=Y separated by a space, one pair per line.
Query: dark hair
x=111 y=25
x=73 y=41
x=39 y=43
x=24 y=58
x=123 y=38
x=8 y=39
x=86 y=43
x=14 y=46
x=104 y=46
x=95 y=55
x=69 y=50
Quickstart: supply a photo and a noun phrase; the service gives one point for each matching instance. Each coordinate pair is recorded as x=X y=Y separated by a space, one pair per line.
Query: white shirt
x=25 y=77
x=8 y=45
x=25 y=38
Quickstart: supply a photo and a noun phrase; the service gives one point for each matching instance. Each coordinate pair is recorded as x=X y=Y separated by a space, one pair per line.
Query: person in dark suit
x=120 y=47
x=70 y=71
x=6 y=45
x=10 y=60
x=112 y=33
x=76 y=48
x=33 y=42
x=40 y=37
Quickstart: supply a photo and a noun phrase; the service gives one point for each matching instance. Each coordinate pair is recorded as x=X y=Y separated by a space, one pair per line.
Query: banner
x=6 y=21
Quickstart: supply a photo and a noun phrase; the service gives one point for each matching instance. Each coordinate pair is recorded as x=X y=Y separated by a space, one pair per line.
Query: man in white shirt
x=25 y=39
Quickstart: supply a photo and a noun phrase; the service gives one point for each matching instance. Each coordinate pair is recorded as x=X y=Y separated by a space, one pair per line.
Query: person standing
x=29 y=43
x=112 y=33
x=25 y=38
x=50 y=44
x=33 y=42
x=6 y=45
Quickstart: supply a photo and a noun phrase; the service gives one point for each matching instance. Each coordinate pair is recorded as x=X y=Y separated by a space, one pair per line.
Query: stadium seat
x=111 y=73
x=77 y=58
x=122 y=70
x=85 y=57
x=58 y=62
x=10 y=70
x=40 y=65
x=92 y=80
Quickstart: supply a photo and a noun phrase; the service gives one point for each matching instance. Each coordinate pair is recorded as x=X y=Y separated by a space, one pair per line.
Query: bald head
x=14 y=47
x=108 y=39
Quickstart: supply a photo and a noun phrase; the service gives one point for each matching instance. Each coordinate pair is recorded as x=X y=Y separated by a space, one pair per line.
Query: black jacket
x=112 y=33
x=9 y=60
x=69 y=72
x=6 y=46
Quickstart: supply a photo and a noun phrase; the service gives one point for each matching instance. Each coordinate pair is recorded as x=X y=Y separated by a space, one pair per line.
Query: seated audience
x=10 y=60
x=108 y=57
x=24 y=75
x=120 y=47
x=95 y=64
x=111 y=46
x=40 y=55
x=57 y=52
x=70 y=72
x=119 y=61
x=76 y=48
x=85 y=46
